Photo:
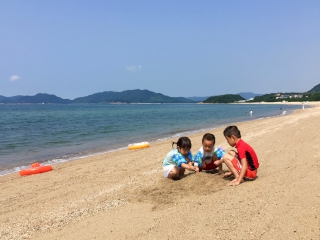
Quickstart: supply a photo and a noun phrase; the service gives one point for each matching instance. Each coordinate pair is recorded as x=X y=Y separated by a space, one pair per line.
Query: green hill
x=38 y=98
x=315 y=89
x=130 y=96
x=43 y=98
x=288 y=97
x=227 y=98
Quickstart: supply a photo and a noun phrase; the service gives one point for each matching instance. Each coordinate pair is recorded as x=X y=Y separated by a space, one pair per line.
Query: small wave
x=219 y=121
x=57 y=161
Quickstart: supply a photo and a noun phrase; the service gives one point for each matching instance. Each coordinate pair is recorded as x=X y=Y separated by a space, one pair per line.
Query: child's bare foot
x=235 y=182
x=227 y=174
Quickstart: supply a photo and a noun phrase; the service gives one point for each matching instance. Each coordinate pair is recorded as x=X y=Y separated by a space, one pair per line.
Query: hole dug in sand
x=166 y=193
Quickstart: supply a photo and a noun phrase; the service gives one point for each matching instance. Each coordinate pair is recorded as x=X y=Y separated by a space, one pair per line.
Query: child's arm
x=239 y=179
x=217 y=161
x=198 y=159
x=186 y=166
x=189 y=161
x=182 y=162
x=214 y=158
x=219 y=164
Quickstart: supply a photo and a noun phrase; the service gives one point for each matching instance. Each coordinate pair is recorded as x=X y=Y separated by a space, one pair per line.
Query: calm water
x=54 y=133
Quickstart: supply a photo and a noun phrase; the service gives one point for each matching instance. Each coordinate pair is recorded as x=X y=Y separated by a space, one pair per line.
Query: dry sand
x=123 y=195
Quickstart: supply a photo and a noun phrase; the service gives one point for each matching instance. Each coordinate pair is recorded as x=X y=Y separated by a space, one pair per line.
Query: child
x=177 y=160
x=244 y=165
x=207 y=154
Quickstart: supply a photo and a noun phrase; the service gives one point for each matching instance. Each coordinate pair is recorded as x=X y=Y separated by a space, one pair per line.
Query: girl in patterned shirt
x=179 y=159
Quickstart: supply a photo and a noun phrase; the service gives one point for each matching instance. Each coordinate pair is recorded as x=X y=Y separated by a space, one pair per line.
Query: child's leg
x=174 y=172
x=220 y=168
x=227 y=159
x=181 y=173
x=234 y=154
x=219 y=164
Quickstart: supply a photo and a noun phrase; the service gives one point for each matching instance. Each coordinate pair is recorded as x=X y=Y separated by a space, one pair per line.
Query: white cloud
x=134 y=68
x=14 y=78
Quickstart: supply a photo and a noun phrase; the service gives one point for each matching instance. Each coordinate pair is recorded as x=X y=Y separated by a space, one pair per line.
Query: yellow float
x=135 y=146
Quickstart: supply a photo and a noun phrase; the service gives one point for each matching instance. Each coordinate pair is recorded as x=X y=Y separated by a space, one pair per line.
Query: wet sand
x=123 y=195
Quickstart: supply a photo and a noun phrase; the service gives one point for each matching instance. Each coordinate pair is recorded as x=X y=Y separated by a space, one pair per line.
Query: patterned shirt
x=207 y=156
x=174 y=157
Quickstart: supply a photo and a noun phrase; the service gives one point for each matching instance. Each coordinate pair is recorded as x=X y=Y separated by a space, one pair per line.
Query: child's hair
x=232 y=130
x=209 y=137
x=183 y=142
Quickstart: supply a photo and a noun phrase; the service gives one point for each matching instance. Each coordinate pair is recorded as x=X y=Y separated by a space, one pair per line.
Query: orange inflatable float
x=135 y=146
x=35 y=168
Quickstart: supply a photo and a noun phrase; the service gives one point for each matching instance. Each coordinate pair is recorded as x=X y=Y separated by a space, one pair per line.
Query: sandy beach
x=123 y=194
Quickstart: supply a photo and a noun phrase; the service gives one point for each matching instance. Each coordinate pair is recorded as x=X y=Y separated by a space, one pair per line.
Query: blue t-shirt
x=174 y=157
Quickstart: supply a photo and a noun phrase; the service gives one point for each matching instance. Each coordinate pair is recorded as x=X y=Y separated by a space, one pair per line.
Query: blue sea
x=53 y=133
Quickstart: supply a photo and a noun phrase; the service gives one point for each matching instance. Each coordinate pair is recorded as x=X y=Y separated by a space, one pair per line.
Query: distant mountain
x=43 y=98
x=130 y=96
x=4 y=99
x=38 y=98
x=146 y=96
x=245 y=95
x=227 y=98
x=312 y=95
x=248 y=95
x=315 y=89
x=288 y=97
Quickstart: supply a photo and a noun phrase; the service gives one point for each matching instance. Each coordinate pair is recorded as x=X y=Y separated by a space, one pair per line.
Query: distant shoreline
x=134 y=103
x=285 y=103
x=278 y=103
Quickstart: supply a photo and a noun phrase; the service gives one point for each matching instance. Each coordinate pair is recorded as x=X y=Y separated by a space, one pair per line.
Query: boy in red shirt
x=243 y=164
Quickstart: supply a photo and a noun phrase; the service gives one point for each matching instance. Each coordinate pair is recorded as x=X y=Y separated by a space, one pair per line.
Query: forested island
x=146 y=96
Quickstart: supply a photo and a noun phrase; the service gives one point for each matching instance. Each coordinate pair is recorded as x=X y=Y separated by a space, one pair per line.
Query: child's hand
x=192 y=168
x=218 y=162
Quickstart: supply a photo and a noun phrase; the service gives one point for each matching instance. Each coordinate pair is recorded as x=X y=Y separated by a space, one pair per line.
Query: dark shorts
x=210 y=166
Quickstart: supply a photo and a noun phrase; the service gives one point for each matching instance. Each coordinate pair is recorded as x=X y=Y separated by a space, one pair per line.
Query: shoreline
x=285 y=103
x=313 y=103
x=77 y=156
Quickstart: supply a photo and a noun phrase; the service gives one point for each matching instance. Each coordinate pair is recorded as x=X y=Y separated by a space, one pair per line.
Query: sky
x=181 y=48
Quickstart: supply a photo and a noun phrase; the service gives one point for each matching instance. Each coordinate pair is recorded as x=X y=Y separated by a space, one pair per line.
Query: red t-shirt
x=247 y=152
